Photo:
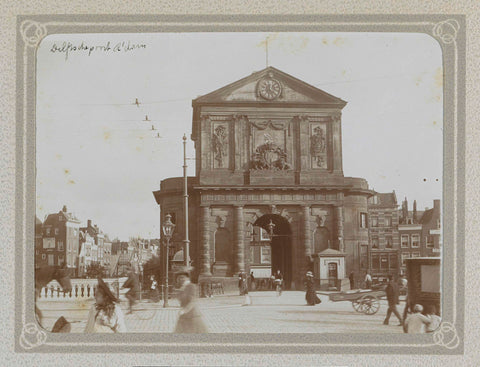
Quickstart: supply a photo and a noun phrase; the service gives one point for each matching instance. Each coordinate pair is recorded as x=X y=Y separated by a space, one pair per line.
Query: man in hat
x=311 y=295
x=416 y=323
x=105 y=316
x=189 y=318
x=393 y=301
x=134 y=285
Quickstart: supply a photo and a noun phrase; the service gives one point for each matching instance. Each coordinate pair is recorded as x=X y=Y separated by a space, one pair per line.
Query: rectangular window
x=388 y=221
x=60 y=245
x=264 y=236
x=429 y=241
x=374 y=242
x=60 y=218
x=415 y=254
x=363 y=220
x=393 y=261
x=375 y=262
x=44 y=256
x=415 y=240
x=374 y=221
x=56 y=231
x=404 y=257
x=384 y=262
x=49 y=243
x=61 y=260
x=389 y=241
x=404 y=240
x=47 y=231
x=51 y=260
x=266 y=255
x=252 y=255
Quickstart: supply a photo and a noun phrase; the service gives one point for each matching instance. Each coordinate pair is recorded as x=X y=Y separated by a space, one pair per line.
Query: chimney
x=89 y=223
x=414 y=211
x=64 y=209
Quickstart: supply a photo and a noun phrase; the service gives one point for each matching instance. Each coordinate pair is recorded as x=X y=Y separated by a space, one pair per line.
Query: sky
x=96 y=156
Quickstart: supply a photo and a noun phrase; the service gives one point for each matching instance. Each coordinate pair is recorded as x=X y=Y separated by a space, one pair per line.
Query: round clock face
x=269 y=88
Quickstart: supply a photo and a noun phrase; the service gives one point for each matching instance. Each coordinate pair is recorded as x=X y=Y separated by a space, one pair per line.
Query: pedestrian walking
x=368 y=280
x=189 y=318
x=248 y=300
x=311 y=295
x=278 y=282
x=351 y=277
x=435 y=320
x=133 y=284
x=154 y=289
x=105 y=316
x=416 y=323
x=240 y=283
x=252 y=281
x=393 y=301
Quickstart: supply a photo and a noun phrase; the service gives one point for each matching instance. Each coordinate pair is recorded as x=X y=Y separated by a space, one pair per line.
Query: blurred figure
x=105 y=316
x=189 y=318
x=248 y=300
x=278 y=282
x=368 y=280
x=351 y=277
x=311 y=296
x=155 y=297
x=435 y=320
x=416 y=323
x=393 y=301
x=134 y=285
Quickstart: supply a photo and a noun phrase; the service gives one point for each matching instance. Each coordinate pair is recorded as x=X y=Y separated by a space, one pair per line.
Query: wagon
x=363 y=301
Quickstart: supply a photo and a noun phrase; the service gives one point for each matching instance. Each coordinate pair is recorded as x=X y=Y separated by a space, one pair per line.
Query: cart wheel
x=358 y=305
x=370 y=305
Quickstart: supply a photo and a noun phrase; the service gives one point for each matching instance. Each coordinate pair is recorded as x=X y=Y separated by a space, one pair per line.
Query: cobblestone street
x=225 y=314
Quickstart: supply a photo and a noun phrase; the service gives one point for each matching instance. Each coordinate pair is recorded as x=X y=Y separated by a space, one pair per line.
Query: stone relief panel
x=318 y=145
x=269 y=145
x=220 y=144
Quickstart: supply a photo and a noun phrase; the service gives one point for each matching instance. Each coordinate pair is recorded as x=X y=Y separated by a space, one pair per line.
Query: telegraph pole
x=186 y=247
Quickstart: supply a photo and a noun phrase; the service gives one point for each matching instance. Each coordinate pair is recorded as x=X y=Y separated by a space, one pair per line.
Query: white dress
x=99 y=322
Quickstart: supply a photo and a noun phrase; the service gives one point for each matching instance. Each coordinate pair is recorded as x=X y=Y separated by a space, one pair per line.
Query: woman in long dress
x=311 y=295
x=105 y=316
x=189 y=318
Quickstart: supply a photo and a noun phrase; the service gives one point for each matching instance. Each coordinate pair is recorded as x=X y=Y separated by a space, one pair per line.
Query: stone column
x=238 y=241
x=205 y=240
x=339 y=227
x=307 y=235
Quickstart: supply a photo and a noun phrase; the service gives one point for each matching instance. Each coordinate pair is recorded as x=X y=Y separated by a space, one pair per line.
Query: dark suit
x=392 y=297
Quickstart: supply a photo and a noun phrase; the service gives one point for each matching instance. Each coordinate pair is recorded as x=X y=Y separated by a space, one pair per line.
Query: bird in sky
x=137 y=102
x=146 y=118
x=158 y=135
x=153 y=127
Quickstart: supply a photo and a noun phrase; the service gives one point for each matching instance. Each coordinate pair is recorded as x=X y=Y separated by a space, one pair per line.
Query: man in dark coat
x=392 y=297
x=351 y=277
x=134 y=285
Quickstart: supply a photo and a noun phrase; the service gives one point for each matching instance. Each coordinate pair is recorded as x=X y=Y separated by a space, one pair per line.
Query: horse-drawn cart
x=363 y=301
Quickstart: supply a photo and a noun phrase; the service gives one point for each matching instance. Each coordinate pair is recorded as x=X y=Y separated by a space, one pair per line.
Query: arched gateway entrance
x=281 y=247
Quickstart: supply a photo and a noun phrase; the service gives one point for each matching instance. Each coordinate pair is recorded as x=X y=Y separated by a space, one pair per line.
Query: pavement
x=268 y=313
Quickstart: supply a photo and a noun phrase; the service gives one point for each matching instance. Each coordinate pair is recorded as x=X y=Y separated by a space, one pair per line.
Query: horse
x=45 y=275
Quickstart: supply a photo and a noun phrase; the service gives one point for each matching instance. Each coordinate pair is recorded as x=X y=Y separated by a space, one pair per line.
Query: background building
x=383 y=236
x=61 y=240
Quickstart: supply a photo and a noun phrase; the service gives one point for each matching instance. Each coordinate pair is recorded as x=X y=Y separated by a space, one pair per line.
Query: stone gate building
x=269 y=150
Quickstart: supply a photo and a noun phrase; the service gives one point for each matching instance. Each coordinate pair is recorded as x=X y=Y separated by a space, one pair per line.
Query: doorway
x=281 y=249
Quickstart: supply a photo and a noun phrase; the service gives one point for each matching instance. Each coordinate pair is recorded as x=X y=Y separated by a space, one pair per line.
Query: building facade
x=61 y=240
x=383 y=251
x=269 y=154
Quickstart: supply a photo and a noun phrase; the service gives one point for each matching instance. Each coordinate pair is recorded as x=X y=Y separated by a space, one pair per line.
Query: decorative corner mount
x=446 y=30
x=32 y=32
x=32 y=337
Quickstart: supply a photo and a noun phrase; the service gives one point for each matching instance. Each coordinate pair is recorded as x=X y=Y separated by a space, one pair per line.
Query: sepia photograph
x=239 y=182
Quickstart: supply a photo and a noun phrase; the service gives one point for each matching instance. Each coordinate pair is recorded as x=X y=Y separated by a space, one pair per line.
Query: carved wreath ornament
x=270 y=156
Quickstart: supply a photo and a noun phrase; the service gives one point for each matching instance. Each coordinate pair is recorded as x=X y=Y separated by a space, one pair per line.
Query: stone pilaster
x=238 y=242
x=205 y=240
x=339 y=228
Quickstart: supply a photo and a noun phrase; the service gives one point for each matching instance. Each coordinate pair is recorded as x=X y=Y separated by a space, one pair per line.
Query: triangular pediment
x=270 y=86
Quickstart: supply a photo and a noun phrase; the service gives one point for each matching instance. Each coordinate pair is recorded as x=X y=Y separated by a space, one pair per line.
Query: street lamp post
x=168 y=228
